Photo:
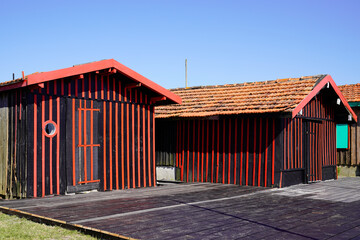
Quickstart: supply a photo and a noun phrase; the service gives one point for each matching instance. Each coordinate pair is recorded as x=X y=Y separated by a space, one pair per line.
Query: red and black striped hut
x=90 y=126
x=272 y=133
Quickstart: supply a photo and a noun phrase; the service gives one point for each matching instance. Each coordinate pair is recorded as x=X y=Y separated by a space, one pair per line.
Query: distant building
x=90 y=126
x=348 y=135
x=273 y=133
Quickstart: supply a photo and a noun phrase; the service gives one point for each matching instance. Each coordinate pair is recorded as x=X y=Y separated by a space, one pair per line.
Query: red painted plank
x=223 y=156
x=247 y=153
x=149 y=143
x=73 y=140
x=266 y=150
x=58 y=146
x=241 y=149
x=273 y=154
x=207 y=150
x=198 y=151
x=104 y=152
x=35 y=147
x=218 y=150
x=301 y=149
x=254 y=160
x=50 y=148
x=202 y=151
x=212 y=151
x=108 y=88
x=235 y=149
x=182 y=150
x=143 y=141
x=110 y=145
x=193 y=151
x=91 y=141
x=96 y=84
x=85 y=142
x=187 y=151
x=102 y=86
x=138 y=139
x=133 y=141
x=43 y=146
x=117 y=143
x=229 y=154
x=89 y=84
x=260 y=149
x=154 y=167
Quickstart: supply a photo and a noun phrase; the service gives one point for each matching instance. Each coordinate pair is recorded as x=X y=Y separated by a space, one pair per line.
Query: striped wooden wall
x=321 y=147
x=351 y=156
x=12 y=144
x=105 y=135
x=256 y=151
x=234 y=150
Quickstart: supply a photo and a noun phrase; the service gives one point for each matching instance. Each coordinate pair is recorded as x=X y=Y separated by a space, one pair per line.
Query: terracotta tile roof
x=351 y=92
x=281 y=95
x=11 y=82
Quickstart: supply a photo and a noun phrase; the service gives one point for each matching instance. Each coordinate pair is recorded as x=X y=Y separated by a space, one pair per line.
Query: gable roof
x=351 y=92
x=42 y=77
x=282 y=95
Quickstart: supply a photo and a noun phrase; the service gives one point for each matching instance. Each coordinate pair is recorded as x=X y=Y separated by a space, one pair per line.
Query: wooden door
x=83 y=144
x=313 y=152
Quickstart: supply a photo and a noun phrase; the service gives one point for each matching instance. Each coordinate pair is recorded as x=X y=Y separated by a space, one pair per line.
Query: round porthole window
x=50 y=128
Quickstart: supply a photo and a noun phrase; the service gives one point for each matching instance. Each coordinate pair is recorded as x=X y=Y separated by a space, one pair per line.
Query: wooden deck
x=324 y=210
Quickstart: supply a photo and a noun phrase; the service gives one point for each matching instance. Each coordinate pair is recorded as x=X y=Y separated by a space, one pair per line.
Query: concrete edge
x=54 y=222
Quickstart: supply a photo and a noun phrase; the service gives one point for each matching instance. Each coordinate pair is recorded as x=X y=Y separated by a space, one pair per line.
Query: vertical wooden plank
x=254 y=154
x=73 y=142
x=235 y=150
x=358 y=143
x=247 y=152
x=223 y=148
x=154 y=167
x=212 y=151
x=229 y=152
x=260 y=150
x=266 y=150
x=241 y=149
x=353 y=144
x=198 y=152
x=273 y=154
x=207 y=149
x=104 y=144
x=187 y=151
x=4 y=140
x=217 y=150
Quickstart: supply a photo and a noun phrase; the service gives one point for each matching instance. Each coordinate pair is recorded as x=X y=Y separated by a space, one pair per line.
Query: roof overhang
x=317 y=89
x=38 y=78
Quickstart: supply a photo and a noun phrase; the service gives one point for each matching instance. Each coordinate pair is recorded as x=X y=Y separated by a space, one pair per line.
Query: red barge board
x=273 y=133
x=78 y=128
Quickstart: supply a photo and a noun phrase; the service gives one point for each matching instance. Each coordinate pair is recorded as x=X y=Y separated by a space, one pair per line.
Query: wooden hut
x=90 y=126
x=272 y=133
x=348 y=138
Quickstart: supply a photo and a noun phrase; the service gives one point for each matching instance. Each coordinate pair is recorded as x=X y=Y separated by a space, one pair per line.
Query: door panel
x=83 y=145
x=313 y=150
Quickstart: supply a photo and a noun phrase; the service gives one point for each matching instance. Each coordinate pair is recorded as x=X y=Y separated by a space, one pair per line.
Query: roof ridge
x=250 y=83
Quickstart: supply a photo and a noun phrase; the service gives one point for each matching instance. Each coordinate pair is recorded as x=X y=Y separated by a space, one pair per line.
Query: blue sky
x=224 y=41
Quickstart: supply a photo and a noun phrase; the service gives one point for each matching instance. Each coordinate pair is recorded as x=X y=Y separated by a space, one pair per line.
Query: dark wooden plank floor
x=324 y=210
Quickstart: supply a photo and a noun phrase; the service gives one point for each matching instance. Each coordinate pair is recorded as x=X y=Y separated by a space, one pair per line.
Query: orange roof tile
x=282 y=95
x=351 y=92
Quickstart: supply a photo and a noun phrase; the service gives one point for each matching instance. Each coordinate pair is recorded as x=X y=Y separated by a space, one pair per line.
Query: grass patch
x=13 y=227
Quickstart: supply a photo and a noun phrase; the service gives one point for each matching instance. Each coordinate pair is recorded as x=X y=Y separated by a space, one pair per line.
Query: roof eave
x=316 y=90
x=91 y=67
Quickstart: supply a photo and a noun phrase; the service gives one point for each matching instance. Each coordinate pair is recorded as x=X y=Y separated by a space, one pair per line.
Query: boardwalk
x=324 y=210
